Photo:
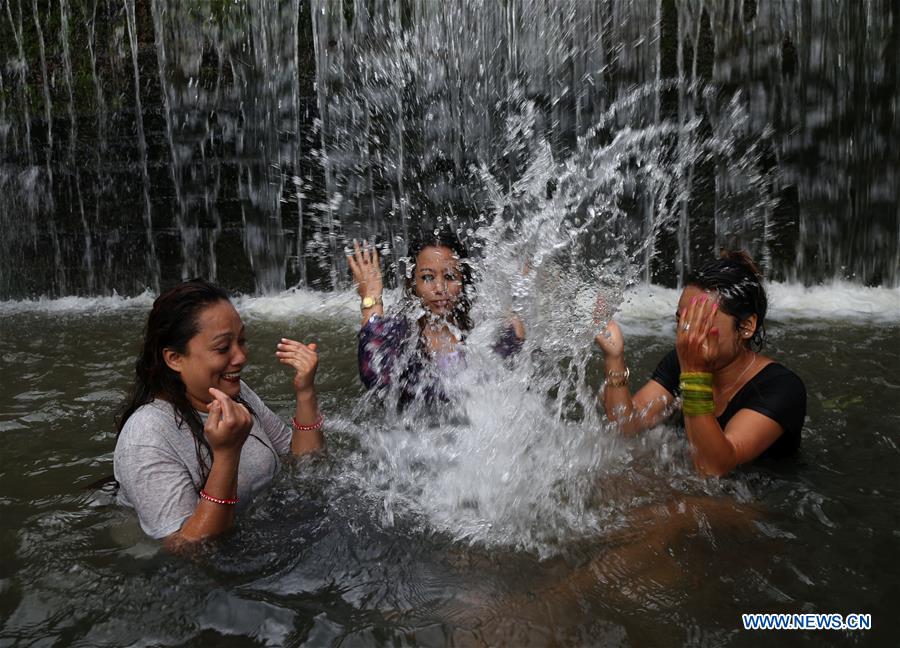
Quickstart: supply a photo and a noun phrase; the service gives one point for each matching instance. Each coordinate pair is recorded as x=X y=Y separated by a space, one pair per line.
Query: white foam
x=335 y=305
x=300 y=301
x=73 y=304
x=644 y=306
x=837 y=301
x=290 y=303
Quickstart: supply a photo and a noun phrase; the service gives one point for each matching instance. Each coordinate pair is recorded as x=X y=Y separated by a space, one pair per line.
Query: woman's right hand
x=228 y=424
x=611 y=341
x=366 y=268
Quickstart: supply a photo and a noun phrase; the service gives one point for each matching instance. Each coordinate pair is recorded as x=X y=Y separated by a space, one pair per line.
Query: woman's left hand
x=302 y=357
x=696 y=338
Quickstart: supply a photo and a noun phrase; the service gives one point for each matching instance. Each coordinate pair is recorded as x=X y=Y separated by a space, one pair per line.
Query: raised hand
x=611 y=341
x=696 y=339
x=366 y=268
x=228 y=424
x=303 y=358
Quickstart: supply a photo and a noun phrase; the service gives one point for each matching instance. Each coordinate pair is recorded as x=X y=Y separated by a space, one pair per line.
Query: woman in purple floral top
x=390 y=353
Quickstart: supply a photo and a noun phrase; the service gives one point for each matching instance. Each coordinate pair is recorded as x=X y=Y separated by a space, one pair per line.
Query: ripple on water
x=20 y=359
x=102 y=396
x=47 y=414
x=231 y=613
x=35 y=395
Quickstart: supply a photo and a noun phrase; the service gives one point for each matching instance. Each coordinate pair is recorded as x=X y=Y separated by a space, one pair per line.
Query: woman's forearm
x=306 y=415
x=617 y=398
x=713 y=453
x=633 y=413
x=210 y=518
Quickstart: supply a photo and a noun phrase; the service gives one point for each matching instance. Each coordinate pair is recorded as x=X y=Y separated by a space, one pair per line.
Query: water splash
x=514 y=457
x=559 y=215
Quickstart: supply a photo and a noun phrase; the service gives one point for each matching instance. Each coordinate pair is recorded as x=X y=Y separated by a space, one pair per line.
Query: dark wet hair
x=173 y=321
x=447 y=238
x=739 y=283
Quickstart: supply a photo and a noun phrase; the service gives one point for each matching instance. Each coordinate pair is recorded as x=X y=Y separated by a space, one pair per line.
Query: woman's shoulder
x=157 y=410
x=776 y=374
x=151 y=424
x=777 y=392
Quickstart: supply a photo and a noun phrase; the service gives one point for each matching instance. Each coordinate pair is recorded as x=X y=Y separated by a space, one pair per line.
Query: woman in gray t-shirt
x=194 y=440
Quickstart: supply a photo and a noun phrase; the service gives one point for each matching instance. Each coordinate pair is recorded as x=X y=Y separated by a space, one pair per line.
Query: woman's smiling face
x=438 y=280
x=214 y=357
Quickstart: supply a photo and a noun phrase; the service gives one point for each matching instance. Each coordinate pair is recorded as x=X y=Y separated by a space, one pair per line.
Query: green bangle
x=696 y=393
x=698 y=408
x=696 y=378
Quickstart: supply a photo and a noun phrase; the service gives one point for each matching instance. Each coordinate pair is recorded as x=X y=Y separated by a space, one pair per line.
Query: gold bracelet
x=617 y=378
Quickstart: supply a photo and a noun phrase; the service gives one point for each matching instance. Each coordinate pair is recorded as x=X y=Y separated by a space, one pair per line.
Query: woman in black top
x=738 y=405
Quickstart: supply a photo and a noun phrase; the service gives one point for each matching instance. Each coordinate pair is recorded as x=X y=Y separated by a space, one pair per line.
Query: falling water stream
x=144 y=142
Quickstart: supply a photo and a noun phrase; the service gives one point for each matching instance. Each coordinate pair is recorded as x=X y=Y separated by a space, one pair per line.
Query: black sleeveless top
x=776 y=392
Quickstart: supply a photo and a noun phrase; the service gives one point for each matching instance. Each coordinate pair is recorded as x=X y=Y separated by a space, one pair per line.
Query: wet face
x=733 y=336
x=214 y=357
x=438 y=280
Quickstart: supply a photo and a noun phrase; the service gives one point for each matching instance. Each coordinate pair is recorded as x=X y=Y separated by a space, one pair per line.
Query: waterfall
x=249 y=142
x=152 y=261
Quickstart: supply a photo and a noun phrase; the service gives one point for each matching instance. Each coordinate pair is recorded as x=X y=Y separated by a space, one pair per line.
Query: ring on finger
x=685 y=327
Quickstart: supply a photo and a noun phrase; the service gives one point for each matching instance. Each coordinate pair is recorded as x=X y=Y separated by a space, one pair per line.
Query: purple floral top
x=387 y=352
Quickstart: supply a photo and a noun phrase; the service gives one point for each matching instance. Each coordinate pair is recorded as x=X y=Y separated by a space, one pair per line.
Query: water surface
x=358 y=547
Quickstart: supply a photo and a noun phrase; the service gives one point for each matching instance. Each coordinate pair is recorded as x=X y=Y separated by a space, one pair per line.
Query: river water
x=417 y=532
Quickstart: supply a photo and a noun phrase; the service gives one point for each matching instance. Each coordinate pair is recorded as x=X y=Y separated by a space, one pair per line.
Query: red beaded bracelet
x=216 y=500
x=320 y=419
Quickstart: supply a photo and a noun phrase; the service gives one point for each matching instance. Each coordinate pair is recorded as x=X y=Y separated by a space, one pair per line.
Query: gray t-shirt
x=155 y=463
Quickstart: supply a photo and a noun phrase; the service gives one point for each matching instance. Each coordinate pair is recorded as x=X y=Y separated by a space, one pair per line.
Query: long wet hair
x=446 y=238
x=739 y=283
x=173 y=321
